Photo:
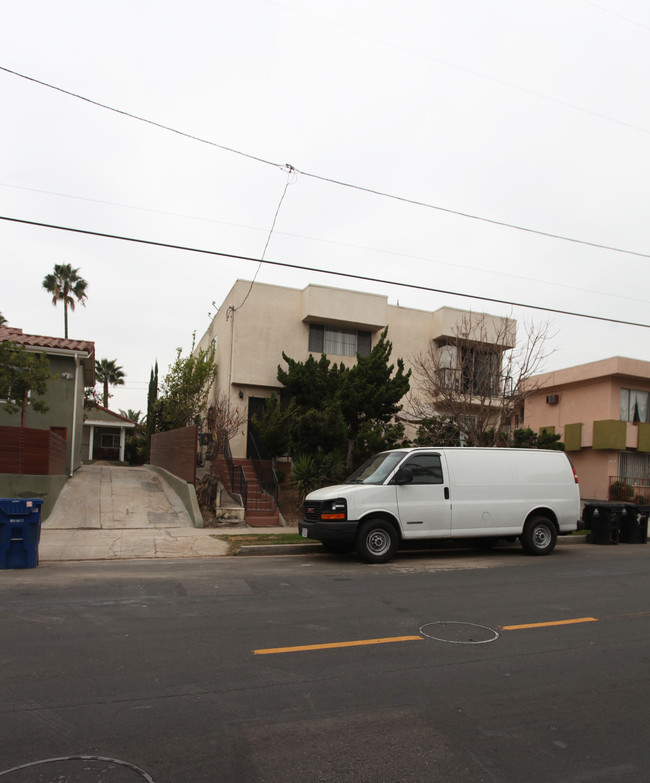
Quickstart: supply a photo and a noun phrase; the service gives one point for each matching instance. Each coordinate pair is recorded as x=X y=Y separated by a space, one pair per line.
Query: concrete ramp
x=103 y=497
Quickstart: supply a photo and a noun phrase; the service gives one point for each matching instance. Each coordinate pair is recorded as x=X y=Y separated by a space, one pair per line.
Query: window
x=426 y=468
x=341 y=342
x=471 y=370
x=110 y=441
x=634 y=405
x=634 y=466
x=480 y=371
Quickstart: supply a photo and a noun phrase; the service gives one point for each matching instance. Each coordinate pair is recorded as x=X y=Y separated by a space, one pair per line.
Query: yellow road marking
x=544 y=625
x=359 y=643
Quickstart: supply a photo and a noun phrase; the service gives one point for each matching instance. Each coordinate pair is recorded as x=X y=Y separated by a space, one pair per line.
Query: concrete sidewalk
x=106 y=512
x=111 y=513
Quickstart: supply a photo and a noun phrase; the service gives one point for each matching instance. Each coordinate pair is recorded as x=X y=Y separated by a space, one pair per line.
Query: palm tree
x=3 y=320
x=108 y=371
x=133 y=415
x=66 y=286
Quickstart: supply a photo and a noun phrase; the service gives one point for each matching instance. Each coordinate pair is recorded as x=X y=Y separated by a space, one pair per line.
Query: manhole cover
x=76 y=769
x=458 y=633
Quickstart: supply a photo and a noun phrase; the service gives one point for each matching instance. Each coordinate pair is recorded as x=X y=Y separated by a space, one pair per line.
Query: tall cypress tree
x=152 y=396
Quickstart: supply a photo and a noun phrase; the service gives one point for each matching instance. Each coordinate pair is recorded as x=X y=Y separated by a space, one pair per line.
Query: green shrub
x=621 y=490
x=304 y=474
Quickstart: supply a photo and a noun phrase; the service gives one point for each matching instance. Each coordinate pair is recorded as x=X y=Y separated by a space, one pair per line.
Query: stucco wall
x=47 y=488
x=61 y=393
x=253 y=326
x=590 y=395
x=594 y=469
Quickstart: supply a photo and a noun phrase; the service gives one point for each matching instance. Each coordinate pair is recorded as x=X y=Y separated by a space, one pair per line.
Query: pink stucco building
x=602 y=412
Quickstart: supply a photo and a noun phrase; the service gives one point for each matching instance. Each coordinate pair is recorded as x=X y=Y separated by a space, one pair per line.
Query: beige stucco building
x=602 y=411
x=256 y=323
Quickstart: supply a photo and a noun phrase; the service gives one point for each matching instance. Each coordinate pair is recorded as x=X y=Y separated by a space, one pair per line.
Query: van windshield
x=377 y=469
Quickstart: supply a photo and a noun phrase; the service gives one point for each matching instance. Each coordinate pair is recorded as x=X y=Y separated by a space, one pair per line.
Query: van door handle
x=446 y=493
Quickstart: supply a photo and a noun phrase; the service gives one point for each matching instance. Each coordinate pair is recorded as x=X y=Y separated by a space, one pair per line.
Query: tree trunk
x=350 y=451
x=23 y=411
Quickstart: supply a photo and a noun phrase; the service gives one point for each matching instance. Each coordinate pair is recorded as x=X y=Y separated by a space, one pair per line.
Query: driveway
x=106 y=497
x=106 y=512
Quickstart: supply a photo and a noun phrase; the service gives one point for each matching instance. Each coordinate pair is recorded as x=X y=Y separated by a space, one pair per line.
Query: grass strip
x=236 y=542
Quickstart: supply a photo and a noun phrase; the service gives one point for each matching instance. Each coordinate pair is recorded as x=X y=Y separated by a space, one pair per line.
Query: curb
x=279 y=549
x=253 y=550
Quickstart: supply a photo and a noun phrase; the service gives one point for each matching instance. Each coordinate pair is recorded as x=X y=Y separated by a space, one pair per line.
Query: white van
x=452 y=493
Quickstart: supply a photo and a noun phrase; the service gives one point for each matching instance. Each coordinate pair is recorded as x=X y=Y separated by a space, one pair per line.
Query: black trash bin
x=20 y=532
x=633 y=525
x=603 y=520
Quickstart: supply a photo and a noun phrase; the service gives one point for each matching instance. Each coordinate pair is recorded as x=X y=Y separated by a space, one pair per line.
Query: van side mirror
x=404 y=476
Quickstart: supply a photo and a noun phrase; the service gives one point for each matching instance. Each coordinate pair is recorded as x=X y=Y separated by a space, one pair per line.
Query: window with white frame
x=110 y=441
x=340 y=342
x=634 y=405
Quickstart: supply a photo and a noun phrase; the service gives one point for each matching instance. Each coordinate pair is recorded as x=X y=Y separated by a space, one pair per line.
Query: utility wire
x=465 y=69
x=383 y=251
x=330 y=180
x=304 y=268
x=291 y=178
x=618 y=16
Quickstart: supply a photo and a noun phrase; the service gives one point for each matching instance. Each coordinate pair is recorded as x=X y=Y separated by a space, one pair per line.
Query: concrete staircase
x=260 y=507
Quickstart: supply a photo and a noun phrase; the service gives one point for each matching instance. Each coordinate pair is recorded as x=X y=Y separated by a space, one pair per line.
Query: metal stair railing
x=238 y=482
x=266 y=476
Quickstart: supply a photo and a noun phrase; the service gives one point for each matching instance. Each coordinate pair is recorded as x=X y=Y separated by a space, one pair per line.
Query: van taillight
x=575 y=475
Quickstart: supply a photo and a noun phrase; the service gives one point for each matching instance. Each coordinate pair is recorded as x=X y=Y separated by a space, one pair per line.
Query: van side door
x=423 y=503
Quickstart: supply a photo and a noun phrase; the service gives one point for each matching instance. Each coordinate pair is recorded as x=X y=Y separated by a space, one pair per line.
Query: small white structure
x=104 y=435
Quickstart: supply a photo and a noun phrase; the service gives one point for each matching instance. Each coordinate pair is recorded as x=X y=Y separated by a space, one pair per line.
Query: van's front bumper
x=342 y=532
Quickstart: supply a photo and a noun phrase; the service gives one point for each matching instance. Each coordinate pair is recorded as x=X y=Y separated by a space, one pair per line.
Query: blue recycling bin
x=20 y=532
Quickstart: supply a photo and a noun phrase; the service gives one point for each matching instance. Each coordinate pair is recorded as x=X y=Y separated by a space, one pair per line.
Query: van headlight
x=334 y=509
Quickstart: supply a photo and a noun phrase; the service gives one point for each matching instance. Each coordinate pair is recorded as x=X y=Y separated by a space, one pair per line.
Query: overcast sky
x=534 y=113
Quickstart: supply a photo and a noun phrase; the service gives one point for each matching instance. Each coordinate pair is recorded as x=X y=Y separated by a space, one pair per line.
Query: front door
x=424 y=505
x=254 y=447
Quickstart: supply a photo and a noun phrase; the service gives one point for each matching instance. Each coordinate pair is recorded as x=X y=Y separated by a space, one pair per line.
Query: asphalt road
x=241 y=669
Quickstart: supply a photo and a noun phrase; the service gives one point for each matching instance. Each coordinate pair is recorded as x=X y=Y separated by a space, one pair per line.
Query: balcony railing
x=630 y=489
x=476 y=384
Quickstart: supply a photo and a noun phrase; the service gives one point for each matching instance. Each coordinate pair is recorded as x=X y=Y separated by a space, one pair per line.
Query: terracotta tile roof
x=39 y=341
x=11 y=334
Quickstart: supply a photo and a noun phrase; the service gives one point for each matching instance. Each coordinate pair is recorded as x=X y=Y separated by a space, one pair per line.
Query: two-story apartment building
x=72 y=364
x=256 y=323
x=602 y=411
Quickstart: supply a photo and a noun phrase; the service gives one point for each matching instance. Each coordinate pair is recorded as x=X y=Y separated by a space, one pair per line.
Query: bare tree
x=222 y=421
x=478 y=377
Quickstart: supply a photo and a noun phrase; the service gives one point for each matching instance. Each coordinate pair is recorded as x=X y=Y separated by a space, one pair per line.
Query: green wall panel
x=610 y=434
x=572 y=437
x=644 y=437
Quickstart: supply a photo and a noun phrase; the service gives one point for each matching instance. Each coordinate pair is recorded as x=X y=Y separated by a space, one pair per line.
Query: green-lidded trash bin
x=20 y=532
x=633 y=525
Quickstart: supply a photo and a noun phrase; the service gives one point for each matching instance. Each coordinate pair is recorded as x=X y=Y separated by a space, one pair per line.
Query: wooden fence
x=32 y=452
x=175 y=451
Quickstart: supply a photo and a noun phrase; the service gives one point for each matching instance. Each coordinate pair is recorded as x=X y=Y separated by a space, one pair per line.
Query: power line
x=470 y=71
x=349 y=245
x=291 y=179
x=321 y=178
x=618 y=16
x=304 y=268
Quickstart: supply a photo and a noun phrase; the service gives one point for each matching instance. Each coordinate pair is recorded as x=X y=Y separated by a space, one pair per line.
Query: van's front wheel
x=376 y=541
x=539 y=536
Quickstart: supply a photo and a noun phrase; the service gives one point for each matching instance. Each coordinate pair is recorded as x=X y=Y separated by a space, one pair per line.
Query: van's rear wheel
x=539 y=536
x=376 y=541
